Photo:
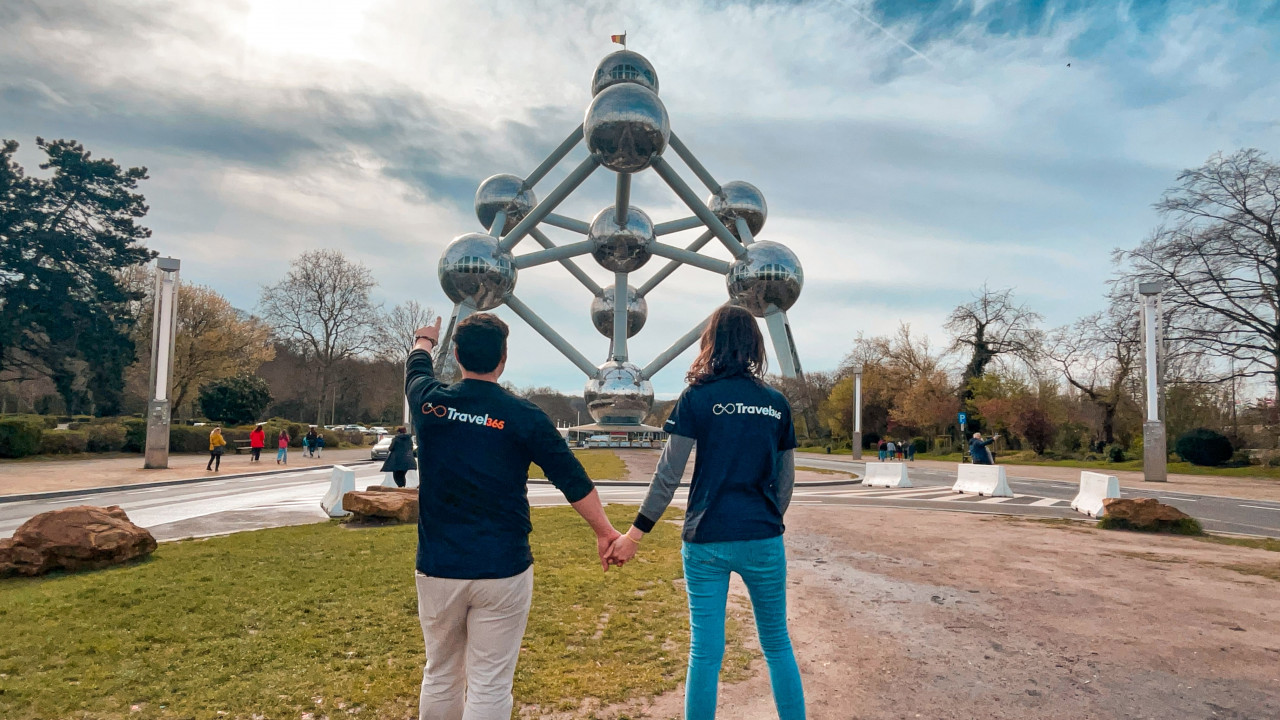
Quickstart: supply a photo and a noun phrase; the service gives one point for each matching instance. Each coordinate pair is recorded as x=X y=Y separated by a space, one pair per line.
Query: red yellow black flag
x=620 y=39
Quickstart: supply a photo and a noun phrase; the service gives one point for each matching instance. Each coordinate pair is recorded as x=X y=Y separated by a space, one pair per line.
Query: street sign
x=963 y=416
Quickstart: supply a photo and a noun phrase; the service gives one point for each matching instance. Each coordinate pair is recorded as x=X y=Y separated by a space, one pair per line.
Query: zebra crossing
x=936 y=493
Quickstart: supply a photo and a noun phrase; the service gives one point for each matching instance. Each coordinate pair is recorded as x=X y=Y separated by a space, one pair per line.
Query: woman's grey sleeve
x=665 y=481
x=786 y=478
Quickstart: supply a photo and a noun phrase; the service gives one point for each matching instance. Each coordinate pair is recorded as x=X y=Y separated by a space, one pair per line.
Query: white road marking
x=1262 y=507
x=991 y=500
x=1046 y=502
x=1158 y=497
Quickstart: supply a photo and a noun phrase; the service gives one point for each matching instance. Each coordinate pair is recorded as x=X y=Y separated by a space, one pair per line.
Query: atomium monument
x=627 y=131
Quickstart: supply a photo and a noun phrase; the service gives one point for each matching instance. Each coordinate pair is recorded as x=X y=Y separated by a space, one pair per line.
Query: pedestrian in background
x=400 y=457
x=881 y=449
x=319 y=443
x=282 y=455
x=911 y=451
x=979 y=450
x=216 y=443
x=257 y=441
x=309 y=442
x=890 y=449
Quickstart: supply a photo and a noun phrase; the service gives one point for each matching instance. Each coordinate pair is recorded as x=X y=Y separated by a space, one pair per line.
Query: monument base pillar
x=1155 y=453
x=156 y=454
x=856 y=442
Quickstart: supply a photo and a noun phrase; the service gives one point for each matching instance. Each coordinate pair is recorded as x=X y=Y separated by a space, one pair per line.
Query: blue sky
x=903 y=182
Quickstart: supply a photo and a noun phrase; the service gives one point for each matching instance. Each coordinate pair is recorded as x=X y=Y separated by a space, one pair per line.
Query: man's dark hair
x=481 y=340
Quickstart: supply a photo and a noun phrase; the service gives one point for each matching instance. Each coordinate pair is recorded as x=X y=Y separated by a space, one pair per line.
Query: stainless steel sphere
x=626 y=126
x=602 y=312
x=769 y=274
x=503 y=192
x=739 y=199
x=621 y=248
x=624 y=66
x=618 y=395
x=475 y=269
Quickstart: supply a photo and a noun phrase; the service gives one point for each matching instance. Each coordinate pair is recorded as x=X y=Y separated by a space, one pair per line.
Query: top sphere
x=769 y=274
x=626 y=125
x=739 y=199
x=624 y=66
x=473 y=268
x=503 y=193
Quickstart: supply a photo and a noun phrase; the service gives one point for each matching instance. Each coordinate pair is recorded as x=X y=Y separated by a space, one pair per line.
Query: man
x=978 y=449
x=474 y=566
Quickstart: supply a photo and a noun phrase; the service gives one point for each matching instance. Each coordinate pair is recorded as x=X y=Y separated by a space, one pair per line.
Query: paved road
x=223 y=506
x=1218 y=514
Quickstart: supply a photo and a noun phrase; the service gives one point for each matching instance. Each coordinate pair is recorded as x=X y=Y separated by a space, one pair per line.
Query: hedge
x=20 y=436
x=63 y=442
x=1204 y=447
x=106 y=438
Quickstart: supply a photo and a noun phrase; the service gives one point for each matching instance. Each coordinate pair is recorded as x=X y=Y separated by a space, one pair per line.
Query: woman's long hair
x=731 y=346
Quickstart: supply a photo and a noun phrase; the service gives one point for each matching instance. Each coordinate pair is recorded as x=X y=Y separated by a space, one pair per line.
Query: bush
x=135 y=435
x=63 y=442
x=1241 y=458
x=1274 y=461
x=20 y=436
x=920 y=444
x=1115 y=454
x=106 y=438
x=235 y=400
x=1204 y=447
x=1185 y=526
x=185 y=438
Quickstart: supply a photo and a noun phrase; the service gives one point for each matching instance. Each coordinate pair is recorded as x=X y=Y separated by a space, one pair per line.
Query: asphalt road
x=289 y=498
x=1218 y=514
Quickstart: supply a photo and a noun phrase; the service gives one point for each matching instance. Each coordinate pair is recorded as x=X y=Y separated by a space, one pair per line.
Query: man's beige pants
x=472 y=630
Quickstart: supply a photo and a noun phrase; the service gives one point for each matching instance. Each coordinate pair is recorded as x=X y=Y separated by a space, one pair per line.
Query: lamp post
x=163 y=332
x=856 y=437
x=1154 y=446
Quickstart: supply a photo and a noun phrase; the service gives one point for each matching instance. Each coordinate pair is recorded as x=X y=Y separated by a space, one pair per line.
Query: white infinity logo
x=719 y=409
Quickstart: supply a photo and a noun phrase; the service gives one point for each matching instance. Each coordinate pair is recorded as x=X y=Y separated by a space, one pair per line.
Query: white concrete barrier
x=410 y=479
x=1094 y=488
x=341 y=482
x=886 y=475
x=982 y=479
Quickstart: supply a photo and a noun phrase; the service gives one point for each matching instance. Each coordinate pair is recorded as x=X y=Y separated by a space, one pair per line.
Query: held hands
x=604 y=543
x=624 y=547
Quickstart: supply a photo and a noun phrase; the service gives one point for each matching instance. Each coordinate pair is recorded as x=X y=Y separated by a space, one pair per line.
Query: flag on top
x=620 y=39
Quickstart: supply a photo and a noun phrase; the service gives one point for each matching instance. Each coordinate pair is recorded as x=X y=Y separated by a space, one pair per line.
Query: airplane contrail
x=885 y=30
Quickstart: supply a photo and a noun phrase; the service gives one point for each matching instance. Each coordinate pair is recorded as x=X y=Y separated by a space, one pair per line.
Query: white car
x=379 y=430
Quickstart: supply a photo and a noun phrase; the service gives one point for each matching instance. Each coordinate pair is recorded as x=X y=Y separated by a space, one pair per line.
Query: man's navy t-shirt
x=475 y=443
x=742 y=429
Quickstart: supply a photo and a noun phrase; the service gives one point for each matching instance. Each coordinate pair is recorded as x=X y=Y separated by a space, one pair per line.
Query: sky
x=909 y=151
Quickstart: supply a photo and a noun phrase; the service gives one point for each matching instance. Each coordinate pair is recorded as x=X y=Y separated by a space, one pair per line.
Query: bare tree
x=396 y=327
x=993 y=327
x=1218 y=256
x=1100 y=355
x=323 y=308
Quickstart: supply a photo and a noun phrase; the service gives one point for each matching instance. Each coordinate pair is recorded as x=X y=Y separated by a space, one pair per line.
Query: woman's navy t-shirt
x=742 y=429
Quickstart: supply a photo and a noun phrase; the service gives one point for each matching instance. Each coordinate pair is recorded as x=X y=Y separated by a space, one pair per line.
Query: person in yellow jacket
x=216 y=443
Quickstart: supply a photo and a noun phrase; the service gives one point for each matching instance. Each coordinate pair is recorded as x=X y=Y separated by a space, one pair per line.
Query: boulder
x=84 y=537
x=1143 y=513
x=401 y=506
x=392 y=489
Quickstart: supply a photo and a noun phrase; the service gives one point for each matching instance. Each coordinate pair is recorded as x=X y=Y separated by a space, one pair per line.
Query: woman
x=309 y=441
x=216 y=443
x=257 y=441
x=400 y=457
x=282 y=455
x=318 y=445
x=742 y=481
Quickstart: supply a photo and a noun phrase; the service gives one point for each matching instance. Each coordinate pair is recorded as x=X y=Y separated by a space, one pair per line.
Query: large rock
x=1143 y=513
x=392 y=503
x=84 y=537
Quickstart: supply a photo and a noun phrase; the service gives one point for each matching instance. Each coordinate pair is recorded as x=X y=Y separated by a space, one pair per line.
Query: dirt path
x=910 y=614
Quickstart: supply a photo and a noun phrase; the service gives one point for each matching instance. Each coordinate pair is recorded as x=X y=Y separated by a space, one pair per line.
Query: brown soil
x=914 y=614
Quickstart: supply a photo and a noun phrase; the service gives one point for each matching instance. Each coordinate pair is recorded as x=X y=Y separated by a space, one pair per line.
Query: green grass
x=600 y=464
x=1183 y=526
x=322 y=619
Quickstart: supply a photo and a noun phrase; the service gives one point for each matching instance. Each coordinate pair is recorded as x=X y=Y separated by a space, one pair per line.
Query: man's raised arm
x=419 y=372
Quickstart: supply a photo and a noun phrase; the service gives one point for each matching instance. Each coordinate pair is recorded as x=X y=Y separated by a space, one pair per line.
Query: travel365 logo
x=449 y=413
x=741 y=409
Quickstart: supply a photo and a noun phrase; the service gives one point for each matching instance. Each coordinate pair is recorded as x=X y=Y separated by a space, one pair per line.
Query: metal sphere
x=602 y=312
x=739 y=199
x=624 y=66
x=503 y=193
x=621 y=248
x=618 y=395
x=626 y=125
x=475 y=269
x=769 y=274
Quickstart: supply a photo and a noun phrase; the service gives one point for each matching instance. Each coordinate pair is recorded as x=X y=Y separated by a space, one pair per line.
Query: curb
x=165 y=483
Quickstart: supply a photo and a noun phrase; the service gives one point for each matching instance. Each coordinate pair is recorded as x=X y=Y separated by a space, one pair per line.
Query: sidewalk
x=1244 y=488
x=41 y=475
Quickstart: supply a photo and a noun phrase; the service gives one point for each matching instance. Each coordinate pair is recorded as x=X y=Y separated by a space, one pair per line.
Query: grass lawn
x=600 y=464
x=322 y=619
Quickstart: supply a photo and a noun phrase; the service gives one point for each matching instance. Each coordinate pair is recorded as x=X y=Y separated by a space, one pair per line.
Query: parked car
x=355 y=428
x=379 y=430
x=382 y=448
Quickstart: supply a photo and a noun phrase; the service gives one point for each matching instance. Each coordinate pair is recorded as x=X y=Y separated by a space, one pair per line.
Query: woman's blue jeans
x=762 y=564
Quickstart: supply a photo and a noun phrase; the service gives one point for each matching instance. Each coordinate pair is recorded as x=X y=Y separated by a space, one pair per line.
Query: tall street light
x=163 y=332
x=1154 y=446
x=856 y=438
